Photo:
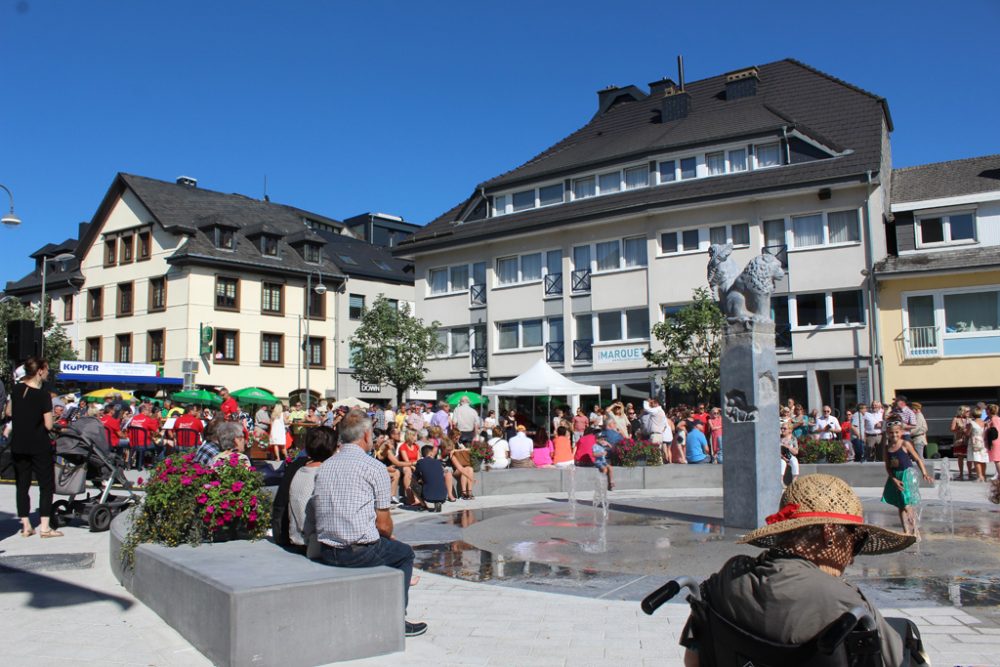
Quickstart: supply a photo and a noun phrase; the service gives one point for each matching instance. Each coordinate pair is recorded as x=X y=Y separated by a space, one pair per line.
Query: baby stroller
x=83 y=453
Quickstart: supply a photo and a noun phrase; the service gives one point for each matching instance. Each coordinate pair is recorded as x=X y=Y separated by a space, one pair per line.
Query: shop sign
x=107 y=368
x=369 y=388
x=623 y=354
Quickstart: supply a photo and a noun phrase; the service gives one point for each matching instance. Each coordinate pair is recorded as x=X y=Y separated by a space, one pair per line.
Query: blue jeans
x=384 y=552
x=859 y=449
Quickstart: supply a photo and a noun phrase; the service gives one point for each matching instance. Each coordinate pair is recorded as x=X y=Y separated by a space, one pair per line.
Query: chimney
x=676 y=104
x=188 y=181
x=741 y=83
x=657 y=87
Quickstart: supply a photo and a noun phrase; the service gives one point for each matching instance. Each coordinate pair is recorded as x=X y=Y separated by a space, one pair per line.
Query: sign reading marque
x=369 y=388
x=621 y=354
x=107 y=368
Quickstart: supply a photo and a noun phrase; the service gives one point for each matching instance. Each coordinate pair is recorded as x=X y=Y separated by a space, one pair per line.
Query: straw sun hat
x=821 y=499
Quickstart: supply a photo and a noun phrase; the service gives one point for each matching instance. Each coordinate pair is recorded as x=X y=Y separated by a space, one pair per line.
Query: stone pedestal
x=751 y=476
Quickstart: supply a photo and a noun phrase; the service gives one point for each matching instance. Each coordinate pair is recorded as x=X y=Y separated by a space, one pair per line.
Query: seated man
x=351 y=503
x=231 y=438
x=428 y=480
x=520 y=449
x=791 y=592
x=697 y=445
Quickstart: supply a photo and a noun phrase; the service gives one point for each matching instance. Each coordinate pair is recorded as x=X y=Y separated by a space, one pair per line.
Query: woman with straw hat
x=792 y=591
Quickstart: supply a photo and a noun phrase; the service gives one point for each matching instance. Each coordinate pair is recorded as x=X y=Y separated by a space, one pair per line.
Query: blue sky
x=403 y=107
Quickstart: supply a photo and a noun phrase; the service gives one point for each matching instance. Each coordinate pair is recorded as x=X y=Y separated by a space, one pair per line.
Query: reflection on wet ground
x=641 y=543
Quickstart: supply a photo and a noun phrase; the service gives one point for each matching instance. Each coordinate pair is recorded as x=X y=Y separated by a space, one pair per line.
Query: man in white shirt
x=520 y=450
x=827 y=426
x=654 y=422
x=466 y=420
x=873 y=432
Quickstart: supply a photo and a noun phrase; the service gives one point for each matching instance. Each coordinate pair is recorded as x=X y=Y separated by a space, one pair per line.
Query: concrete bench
x=253 y=603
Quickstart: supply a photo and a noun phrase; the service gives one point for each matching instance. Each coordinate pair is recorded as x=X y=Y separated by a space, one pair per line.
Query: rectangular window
x=635 y=251
x=668 y=242
x=311 y=253
x=270 y=299
x=550 y=194
x=317 y=306
x=584 y=327
x=227 y=346
x=968 y=312
x=931 y=231
x=741 y=234
x=479 y=273
x=768 y=155
x=531 y=267
x=553 y=262
x=581 y=258
x=555 y=330
x=269 y=245
x=507 y=340
x=356 y=307
x=225 y=238
x=843 y=226
x=271 y=345
x=352 y=354
x=438 y=281
x=94 y=349
x=583 y=188
x=500 y=205
x=636 y=177
x=637 y=323
x=738 y=160
x=67 y=308
x=608 y=255
x=126 y=249
x=157 y=295
x=920 y=311
x=507 y=270
x=689 y=167
x=95 y=303
x=610 y=182
x=715 y=163
x=531 y=333
x=961 y=227
x=155 y=353
x=227 y=293
x=718 y=235
x=807 y=230
x=524 y=200
x=110 y=252
x=691 y=239
x=774 y=233
x=123 y=348
x=668 y=171
x=944 y=229
x=442 y=341
x=316 y=352
x=460 y=341
x=145 y=246
x=811 y=309
x=609 y=326
x=124 y=300
x=459 y=276
x=848 y=307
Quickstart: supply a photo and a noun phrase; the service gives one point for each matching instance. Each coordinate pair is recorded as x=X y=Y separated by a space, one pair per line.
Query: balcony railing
x=580 y=280
x=782 y=336
x=780 y=251
x=922 y=342
x=477 y=294
x=553 y=284
x=478 y=358
x=583 y=349
x=555 y=353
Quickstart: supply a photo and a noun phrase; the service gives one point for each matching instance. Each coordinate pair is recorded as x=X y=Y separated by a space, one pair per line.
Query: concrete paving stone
x=979 y=639
x=945 y=630
x=989 y=631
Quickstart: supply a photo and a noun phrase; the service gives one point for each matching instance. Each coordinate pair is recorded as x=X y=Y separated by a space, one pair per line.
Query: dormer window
x=768 y=155
x=225 y=238
x=269 y=245
x=310 y=252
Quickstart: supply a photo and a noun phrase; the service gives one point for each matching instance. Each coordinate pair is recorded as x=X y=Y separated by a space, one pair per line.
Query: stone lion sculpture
x=748 y=298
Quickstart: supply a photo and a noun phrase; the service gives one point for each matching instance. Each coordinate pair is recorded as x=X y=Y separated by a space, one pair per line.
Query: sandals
x=49 y=533
x=27 y=533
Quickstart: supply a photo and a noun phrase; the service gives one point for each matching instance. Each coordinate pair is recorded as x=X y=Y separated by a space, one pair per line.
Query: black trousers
x=41 y=466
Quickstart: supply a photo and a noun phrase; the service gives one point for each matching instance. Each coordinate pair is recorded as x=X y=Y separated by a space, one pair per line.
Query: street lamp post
x=11 y=220
x=63 y=257
x=320 y=289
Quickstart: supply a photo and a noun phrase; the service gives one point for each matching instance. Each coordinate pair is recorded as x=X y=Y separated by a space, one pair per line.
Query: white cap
x=19 y=373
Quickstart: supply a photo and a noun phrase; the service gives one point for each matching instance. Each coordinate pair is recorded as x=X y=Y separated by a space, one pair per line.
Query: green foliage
x=391 y=347
x=57 y=344
x=481 y=452
x=812 y=450
x=692 y=347
x=187 y=503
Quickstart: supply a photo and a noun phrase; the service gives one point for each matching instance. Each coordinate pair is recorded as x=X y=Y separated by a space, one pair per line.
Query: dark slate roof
x=939 y=260
x=946 y=179
x=790 y=94
x=54 y=279
x=367 y=257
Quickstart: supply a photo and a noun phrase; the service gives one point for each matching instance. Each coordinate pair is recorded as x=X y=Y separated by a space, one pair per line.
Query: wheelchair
x=852 y=640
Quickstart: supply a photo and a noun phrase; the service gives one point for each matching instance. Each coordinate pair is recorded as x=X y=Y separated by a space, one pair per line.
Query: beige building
x=219 y=289
x=574 y=255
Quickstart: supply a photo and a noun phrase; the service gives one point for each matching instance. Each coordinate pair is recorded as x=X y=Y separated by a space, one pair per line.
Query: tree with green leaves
x=692 y=347
x=391 y=347
x=58 y=346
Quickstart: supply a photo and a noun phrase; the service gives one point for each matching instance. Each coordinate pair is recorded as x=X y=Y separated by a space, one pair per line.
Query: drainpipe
x=874 y=333
x=788 y=150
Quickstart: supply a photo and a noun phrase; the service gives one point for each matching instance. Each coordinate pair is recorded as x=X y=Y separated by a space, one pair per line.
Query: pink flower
x=216 y=483
x=228 y=516
x=239 y=512
x=209 y=509
x=185 y=481
x=252 y=517
x=202 y=499
x=237 y=487
x=168 y=462
x=207 y=519
x=220 y=522
x=139 y=481
x=224 y=505
x=253 y=501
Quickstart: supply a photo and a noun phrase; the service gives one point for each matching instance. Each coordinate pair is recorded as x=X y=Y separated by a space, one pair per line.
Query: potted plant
x=481 y=453
x=188 y=503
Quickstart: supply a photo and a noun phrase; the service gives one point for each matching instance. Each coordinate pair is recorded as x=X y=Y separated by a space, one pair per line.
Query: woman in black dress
x=31 y=409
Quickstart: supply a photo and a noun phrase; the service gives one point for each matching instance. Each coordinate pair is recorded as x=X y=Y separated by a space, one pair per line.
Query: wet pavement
x=645 y=542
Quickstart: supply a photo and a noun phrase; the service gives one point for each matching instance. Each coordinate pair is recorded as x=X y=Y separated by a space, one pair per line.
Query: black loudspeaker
x=23 y=340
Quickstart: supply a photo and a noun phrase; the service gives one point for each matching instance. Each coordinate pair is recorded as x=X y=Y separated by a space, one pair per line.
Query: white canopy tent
x=541 y=380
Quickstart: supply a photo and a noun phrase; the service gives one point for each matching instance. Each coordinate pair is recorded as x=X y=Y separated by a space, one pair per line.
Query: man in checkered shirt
x=351 y=502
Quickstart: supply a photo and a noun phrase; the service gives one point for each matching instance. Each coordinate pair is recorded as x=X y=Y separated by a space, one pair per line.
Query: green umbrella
x=474 y=398
x=198 y=397
x=254 y=396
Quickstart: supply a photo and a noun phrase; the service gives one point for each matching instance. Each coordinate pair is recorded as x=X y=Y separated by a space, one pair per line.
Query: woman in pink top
x=562 y=448
x=542 y=453
x=715 y=429
x=580 y=424
x=993 y=420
